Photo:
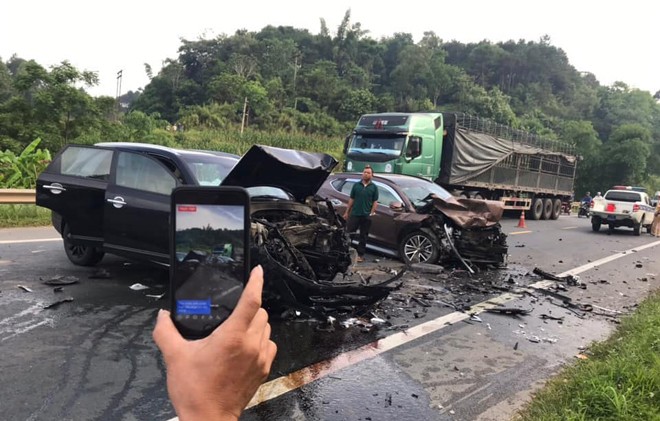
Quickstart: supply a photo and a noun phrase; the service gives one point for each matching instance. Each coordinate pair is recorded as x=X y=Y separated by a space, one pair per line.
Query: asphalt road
x=93 y=357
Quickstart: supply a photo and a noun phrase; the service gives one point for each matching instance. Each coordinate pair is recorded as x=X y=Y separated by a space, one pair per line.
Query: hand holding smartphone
x=209 y=256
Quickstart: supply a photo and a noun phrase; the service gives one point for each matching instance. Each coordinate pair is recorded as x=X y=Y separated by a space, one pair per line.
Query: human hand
x=345 y=216
x=215 y=377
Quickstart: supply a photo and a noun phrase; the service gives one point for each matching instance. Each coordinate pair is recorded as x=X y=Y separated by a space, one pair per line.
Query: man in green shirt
x=361 y=206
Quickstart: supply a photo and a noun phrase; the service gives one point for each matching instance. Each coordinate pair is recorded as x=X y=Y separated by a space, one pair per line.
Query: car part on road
x=571 y=280
x=512 y=311
x=61 y=280
x=24 y=288
x=58 y=302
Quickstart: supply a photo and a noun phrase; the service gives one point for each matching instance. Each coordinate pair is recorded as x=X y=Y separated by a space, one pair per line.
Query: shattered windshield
x=387 y=145
x=209 y=171
x=418 y=190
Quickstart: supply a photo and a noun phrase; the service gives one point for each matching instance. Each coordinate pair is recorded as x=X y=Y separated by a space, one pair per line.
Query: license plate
x=611 y=217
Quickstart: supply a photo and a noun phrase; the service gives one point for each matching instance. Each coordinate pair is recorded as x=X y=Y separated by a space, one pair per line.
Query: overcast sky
x=616 y=41
x=217 y=217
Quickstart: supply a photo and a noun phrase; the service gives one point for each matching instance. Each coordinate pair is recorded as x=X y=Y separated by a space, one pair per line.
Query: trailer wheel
x=536 y=211
x=547 y=209
x=556 y=208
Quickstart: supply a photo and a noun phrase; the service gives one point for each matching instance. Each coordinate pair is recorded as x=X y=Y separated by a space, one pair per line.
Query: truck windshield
x=369 y=144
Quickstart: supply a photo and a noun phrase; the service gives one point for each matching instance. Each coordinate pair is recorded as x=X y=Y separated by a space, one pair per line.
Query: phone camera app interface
x=209 y=253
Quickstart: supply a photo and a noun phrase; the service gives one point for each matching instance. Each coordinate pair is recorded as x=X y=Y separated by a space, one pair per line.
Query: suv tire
x=80 y=255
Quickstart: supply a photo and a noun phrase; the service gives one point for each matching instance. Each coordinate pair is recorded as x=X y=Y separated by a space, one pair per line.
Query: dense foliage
x=291 y=81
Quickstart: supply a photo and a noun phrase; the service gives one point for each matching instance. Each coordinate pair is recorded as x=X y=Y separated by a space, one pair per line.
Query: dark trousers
x=363 y=223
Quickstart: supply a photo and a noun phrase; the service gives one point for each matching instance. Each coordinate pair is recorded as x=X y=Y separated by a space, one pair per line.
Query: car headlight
x=349 y=166
x=388 y=167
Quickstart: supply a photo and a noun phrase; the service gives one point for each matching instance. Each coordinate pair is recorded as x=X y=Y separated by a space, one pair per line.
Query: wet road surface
x=93 y=358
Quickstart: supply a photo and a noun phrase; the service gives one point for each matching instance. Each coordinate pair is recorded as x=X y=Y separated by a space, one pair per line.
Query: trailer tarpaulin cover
x=466 y=154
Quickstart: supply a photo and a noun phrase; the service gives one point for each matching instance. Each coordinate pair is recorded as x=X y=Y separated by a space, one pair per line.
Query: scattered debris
x=61 y=280
x=100 y=274
x=24 y=288
x=57 y=303
x=534 y=339
x=476 y=318
x=513 y=311
x=58 y=289
x=515 y=347
x=547 y=316
x=569 y=279
x=582 y=357
x=156 y=296
x=426 y=268
x=138 y=287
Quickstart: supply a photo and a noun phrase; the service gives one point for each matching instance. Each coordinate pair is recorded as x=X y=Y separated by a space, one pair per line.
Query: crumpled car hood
x=465 y=213
x=297 y=172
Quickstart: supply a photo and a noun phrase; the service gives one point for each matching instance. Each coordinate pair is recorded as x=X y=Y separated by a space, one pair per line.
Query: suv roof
x=149 y=147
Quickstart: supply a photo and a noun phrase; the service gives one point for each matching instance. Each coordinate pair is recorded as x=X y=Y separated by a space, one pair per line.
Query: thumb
x=166 y=336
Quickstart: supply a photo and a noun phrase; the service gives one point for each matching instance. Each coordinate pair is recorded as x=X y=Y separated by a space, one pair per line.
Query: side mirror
x=414 y=147
x=396 y=206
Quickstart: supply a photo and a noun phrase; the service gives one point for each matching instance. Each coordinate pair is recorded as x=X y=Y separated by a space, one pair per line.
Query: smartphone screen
x=209 y=256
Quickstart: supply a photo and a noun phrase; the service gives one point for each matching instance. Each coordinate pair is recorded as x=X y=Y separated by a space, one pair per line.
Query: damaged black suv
x=115 y=198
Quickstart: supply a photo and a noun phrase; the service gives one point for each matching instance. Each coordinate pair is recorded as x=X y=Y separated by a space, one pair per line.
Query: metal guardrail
x=17 y=196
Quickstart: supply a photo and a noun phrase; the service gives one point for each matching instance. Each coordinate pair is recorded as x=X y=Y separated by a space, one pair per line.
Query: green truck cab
x=469 y=156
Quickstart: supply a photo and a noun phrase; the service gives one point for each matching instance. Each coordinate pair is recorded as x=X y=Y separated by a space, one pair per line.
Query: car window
x=86 y=162
x=386 y=196
x=622 y=196
x=337 y=184
x=347 y=187
x=140 y=172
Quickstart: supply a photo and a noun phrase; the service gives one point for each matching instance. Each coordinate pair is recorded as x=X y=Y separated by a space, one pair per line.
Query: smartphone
x=209 y=256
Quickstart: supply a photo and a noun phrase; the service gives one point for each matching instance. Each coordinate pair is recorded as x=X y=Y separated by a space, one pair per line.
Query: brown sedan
x=411 y=225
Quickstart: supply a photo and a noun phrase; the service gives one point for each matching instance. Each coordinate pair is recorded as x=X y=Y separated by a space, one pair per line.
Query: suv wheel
x=80 y=255
x=637 y=229
x=595 y=224
x=419 y=246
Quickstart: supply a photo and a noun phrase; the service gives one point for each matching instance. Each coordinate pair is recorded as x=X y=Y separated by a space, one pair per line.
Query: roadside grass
x=23 y=216
x=620 y=381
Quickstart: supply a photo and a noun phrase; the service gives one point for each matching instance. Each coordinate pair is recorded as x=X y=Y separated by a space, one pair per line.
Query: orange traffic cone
x=521 y=222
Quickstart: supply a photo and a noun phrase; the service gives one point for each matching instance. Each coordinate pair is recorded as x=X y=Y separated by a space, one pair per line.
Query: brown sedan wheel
x=420 y=246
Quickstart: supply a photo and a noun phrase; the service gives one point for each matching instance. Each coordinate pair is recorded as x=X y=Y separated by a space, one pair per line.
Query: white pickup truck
x=623 y=208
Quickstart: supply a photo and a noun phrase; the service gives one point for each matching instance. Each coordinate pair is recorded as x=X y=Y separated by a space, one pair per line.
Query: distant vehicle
x=623 y=206
x=417 y=228
x=225 y=250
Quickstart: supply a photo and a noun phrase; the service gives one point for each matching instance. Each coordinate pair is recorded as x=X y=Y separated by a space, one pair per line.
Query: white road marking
x=35 y=240
x=295 y=380
x=568 y=228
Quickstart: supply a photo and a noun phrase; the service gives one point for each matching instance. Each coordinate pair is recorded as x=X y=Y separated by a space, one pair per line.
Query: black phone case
x=201 y=195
